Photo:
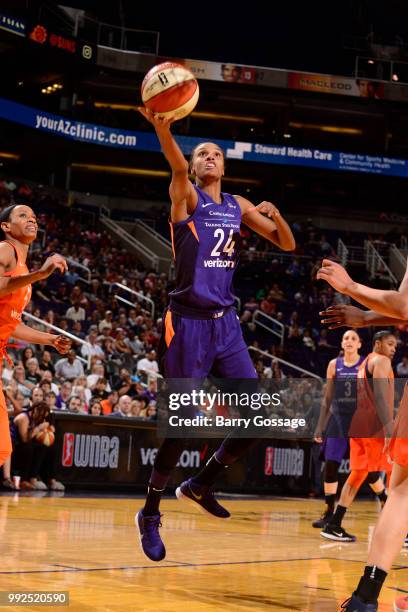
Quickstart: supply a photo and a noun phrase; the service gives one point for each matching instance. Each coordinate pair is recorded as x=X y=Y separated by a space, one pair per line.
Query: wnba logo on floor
x=82 y=450
x=284 y=461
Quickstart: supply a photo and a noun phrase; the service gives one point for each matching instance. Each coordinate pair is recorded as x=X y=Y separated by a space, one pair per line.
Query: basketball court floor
x=267 y=557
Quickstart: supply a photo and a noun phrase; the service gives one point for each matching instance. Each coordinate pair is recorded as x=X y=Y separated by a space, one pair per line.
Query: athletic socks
x=330 y=501
x=210 y=471
x=338 y=516
x=382 y=497
x=370 y=584
x=152 y=501
x=155 y=490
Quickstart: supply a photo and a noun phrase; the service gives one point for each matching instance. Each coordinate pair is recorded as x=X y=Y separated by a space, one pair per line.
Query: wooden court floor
x=267 y=557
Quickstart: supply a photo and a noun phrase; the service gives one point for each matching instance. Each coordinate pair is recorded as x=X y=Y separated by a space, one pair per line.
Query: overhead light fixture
x=120 y=170
x=8 y=155
x=227 y=117
x=370 y=61
x=235 y=179
x=197 y=114
x=333 y=129
x=126 y=170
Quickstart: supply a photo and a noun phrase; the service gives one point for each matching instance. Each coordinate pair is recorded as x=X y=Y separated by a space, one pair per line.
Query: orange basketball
x=170 y=90
x=46 y=437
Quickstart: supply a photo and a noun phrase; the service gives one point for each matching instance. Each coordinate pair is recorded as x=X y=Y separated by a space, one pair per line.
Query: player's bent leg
x=198 y=491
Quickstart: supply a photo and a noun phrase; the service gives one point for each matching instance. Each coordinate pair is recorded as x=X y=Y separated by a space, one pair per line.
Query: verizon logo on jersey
x=218 y=263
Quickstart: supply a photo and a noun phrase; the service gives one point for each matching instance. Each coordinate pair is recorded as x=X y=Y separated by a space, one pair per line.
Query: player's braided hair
x=5 y=216
x=380 y=335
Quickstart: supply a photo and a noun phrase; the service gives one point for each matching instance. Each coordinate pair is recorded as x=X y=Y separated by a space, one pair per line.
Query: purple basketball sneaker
x=201 y=496
x=354 y=604
x=150 y=540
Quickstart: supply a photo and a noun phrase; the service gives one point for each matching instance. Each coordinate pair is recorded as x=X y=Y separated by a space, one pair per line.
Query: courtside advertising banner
x=146 y=141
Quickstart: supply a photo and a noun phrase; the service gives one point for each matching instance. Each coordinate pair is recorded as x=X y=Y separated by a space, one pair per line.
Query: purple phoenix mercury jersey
x=342 y=409
x=201 y=331
x=206 y=249
x=345 y=396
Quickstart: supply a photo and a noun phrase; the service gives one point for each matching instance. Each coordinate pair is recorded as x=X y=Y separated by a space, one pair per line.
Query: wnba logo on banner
x=284 y=461
x=82 y=450
x=68 y=450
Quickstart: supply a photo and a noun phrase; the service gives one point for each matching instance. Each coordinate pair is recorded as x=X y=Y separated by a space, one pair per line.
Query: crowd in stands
x=114 y=370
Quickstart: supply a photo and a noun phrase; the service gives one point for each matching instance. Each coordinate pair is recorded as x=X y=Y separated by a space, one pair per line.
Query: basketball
x=46 y=437
x=170 y=90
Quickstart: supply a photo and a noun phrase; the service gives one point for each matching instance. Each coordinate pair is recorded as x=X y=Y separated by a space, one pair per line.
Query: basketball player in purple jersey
x=201 y=331
x=338 y=407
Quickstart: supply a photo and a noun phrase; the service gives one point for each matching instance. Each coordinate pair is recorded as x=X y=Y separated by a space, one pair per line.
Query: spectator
x=77 y=330
x=27 y=354
x=64 y=395
x=150 y=413
x=23 y=386
x=109 y=404
x=148 y=365
x=120 y=344
x=124 y=407
x=99 y=389
x=151 y=392
x=139 y=405
x=124 y=385
x=7 y=372
x=75 y=313
x=46 y=362
x=95 y=408
x=97 y=372
x=93 y=347
x=32 y=371
x=106 y=322
x=50 y=400
x=268 y=306
x=69 y=367
x=135 y=345
x=37 y=396
x=47 y=376
x=76 y=405
x=402 y=367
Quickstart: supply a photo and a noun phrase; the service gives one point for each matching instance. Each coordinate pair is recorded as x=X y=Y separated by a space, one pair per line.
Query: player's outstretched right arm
x=10 y=284
x=182 y=193
x=387 y=302
x=345 y=315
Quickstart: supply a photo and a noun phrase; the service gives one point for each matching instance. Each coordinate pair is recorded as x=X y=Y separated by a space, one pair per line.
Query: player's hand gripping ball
x=170 y=90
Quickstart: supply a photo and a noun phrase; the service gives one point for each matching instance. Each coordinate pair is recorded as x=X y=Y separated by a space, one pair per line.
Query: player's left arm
x=61 y=343
x=266 y=220
x=382 y=395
